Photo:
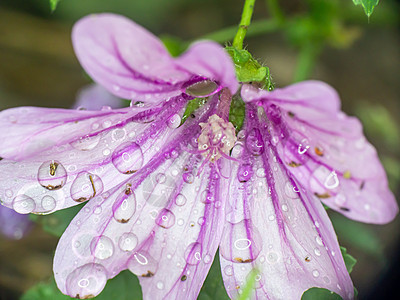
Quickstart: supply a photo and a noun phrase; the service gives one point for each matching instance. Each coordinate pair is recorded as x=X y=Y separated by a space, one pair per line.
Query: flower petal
x=13 y=225
x=275 y=228
x=67 y=157
x=133 y=64
x=326 y=150
x=95 y=97
x=157 y=223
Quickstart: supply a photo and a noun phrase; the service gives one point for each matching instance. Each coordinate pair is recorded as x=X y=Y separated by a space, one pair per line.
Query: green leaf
x=349 y=260
x=368 y=5
x=249 y=286
x=174 y=45
x=213 y=287
x=237 y=112
x=191 y=107
x=125 y=286
x=53 y=4
x=319 y=294
x=57 y=222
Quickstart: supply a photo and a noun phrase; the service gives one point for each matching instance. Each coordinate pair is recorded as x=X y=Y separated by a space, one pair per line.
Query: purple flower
x=95 y=97
x=165 y=195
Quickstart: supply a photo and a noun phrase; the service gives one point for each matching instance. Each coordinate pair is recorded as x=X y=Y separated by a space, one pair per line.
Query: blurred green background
x=359 y=57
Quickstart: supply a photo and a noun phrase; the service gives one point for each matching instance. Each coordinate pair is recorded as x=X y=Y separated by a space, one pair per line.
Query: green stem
x=244 y=24
x=306 y=61
x=257 y=28
x=275 y=10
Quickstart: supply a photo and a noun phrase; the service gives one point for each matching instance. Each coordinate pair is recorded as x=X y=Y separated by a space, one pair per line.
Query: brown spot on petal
x=319 y=151
x=130 y=172
x=53 y=168
x=322 y=196
x=347 y=174
x=344 y=209
x=183 y=278
x=128 y=189
x=123 y=221
x=362 y=185
x=294 y=164
x=54 y=187
x=81 y=199
x=290 y=114
x=307 y=259
x=148 y=274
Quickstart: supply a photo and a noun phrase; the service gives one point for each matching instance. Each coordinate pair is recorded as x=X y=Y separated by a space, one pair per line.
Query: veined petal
x=69 y=156
x=326 y=150
x=13 y=225
x=96 y=97
x=132 y=63
x=160 y=223
x=275 y=228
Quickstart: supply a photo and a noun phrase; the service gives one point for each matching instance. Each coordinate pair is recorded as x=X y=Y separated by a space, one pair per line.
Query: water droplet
x=193 y=253
x=207 y=197
x=23 y=204
x=143 y=264
x=319 y=240
x=86 y=186
x=242 y=244
x=245 y=173
x=290 y=190
x=52 y=175
x=271 y=217
x=118 y=134
x=332 y=181
x=272 y=257
x=317 y=252
x=285 y=207
x=160 y=285
x=201 y=88
x=86 y=281
x=86 y=143
x=102 y=247
x=207 y=259
x=326 y=279
x=228 y=270
x=188 y=177
x=254 y=142
x=180 y=200
x=165 y=219
x=315 y=273
x=124 y=206
x=128 y=241
x=9 y=193
x=48 y=203
x=174 y=121
x=340 y=199
x=260 y=172
x=303 y=146
x=128 y=158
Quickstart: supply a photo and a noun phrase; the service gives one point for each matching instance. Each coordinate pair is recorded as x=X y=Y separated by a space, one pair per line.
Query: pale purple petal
x=326 y=150
x=13 y=225
x=72 y=156
x=96 y=97
x=160 y=223
x=274 y=227
x=132 y=63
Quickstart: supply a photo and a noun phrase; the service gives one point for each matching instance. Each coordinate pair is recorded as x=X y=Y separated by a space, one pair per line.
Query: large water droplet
x=165 y=219
x=174 y=121
x=86 y=281
x=102 y=247
x=86 y=143
x=143 y=264
x=254 y=142
x=86 y=186
x=201 y=88
x=245 y=173
x=124 y=206
x=128 y=158
x=52 y=175
x=193 y=253
x=245 y=239
x=23 y=204
x=48 y=203
x=128 y=241
x=332 y=181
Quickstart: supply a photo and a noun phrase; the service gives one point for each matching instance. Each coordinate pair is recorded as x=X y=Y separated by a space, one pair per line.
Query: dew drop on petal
x=160 y=285
x=142 y=264
x=86 y=143
x=180 y=200
x=291 y=191
x=48 y=203
x=188 y=177
x=23 y=204
x=128 y=241
x=201 y=88
x=124 y=206
x=193 y=253
x=128 y=158
x=102 y=247
x=315 y=273
x=254 y=142
x=52 y=175
x=86 y=186
x=245 y=173
x=165 y=219
x=228 y=270
x=174 y=121
x=332 y=181
x=86 y=281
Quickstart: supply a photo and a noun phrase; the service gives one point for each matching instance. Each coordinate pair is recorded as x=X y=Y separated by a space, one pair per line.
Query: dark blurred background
x=38 y=67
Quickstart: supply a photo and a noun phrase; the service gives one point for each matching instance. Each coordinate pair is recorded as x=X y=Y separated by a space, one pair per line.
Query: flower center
x=217 y=138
